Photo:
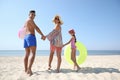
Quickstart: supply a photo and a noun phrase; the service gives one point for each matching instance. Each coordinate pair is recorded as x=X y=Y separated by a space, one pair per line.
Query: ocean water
x=47 y=52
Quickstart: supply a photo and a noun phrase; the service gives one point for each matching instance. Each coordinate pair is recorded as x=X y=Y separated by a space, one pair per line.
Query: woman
x=55 y=38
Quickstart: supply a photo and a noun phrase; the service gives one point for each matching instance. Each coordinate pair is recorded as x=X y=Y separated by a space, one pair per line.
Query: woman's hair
x=60 y=21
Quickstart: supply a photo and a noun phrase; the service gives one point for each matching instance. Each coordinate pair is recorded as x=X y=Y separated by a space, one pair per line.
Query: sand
x=94 y=68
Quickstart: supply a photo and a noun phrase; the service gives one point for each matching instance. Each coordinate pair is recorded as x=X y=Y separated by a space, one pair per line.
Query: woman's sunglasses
x=56 y=18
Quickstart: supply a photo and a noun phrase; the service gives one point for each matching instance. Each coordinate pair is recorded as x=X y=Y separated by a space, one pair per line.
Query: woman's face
x=57 y=20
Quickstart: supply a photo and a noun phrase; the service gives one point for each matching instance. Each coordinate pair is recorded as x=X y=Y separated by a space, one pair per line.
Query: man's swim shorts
x=29 y=40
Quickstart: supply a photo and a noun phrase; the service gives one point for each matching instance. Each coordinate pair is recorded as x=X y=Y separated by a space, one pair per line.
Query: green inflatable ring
x=82 y=53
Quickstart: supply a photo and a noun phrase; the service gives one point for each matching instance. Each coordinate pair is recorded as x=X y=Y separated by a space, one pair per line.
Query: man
x=30 y=41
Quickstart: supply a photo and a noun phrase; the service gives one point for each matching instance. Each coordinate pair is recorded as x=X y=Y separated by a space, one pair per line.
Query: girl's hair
x=73 y=32
x=75 y=38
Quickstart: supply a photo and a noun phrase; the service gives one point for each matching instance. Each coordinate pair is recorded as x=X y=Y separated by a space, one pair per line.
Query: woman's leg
x=52 y=50
x=58 y=50
x=50 y=59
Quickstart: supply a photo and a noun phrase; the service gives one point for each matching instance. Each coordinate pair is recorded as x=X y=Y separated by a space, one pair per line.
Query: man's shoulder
x=29 y=20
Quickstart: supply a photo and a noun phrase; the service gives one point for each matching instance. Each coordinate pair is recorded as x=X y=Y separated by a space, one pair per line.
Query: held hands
x=43 y=37
x=63 y=45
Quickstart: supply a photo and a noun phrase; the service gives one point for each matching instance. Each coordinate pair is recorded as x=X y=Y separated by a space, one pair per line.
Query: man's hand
x=43 y=37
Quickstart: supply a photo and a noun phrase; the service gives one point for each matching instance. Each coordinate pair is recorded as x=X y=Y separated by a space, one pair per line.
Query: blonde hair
x=57 y=16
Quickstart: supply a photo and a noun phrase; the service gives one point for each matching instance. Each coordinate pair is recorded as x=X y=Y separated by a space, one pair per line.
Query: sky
x=96 y=22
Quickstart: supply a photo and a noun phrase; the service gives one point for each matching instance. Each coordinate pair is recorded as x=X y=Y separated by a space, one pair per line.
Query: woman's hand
x=43 y=37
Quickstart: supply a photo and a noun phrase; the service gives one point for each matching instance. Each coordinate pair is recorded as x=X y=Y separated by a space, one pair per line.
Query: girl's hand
x=63 y=46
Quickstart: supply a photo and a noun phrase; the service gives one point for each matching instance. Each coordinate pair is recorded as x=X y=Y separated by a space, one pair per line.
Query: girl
x=73 y=48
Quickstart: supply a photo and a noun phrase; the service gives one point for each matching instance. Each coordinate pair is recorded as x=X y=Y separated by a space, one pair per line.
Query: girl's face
x=71 y=34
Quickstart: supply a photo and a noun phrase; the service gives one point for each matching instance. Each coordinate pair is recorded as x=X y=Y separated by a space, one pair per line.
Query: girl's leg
x=59 y=58
x=73 y=57
x=74 y=67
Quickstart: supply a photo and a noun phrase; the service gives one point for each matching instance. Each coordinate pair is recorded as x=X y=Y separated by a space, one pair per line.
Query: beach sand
x=94 y=68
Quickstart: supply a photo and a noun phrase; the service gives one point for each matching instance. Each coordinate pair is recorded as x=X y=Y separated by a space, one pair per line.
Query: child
x=73 y=48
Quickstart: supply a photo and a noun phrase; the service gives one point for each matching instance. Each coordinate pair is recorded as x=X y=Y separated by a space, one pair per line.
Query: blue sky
x=96 y=22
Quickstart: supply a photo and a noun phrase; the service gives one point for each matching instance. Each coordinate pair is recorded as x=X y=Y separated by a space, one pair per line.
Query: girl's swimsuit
x=73 y=43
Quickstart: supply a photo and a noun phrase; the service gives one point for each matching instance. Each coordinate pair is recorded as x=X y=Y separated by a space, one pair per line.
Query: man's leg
x=27 y=50
x=33 y=50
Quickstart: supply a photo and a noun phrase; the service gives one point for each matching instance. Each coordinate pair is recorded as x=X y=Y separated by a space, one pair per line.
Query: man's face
x=32 y=15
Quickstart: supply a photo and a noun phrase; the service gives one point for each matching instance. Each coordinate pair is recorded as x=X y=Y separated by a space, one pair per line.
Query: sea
x=47 y=52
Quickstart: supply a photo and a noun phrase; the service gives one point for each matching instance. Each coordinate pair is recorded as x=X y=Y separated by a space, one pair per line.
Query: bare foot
x=57 y=71
x=29 y=72
x=25 y=70
x=78 y=69
x=49 y=68
x=74 y=67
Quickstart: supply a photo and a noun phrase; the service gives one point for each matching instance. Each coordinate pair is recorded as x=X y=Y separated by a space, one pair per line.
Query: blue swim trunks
x=29 y=40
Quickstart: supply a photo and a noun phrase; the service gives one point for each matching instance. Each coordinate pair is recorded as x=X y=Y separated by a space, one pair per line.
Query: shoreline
x=46 y=52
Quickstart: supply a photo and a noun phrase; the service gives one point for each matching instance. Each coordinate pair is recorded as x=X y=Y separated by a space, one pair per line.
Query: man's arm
x=36 y=28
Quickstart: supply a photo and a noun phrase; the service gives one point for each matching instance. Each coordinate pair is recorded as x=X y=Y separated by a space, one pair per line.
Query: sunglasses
x=56 y=18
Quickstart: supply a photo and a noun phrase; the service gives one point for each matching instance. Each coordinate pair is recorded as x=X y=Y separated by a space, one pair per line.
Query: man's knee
x=27 y=55
x=33 y=49
x=26 y=58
